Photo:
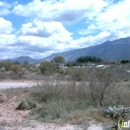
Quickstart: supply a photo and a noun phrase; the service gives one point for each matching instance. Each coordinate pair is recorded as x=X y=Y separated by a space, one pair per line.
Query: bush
x=25 y=105
x=117 y=113
x=77 y=74
x=101 y=85
x=6 y=64
x=62 y=71
x=14 y=68
x=3 y=75
x=47 y=68
x=58 y=60
x=20 y=72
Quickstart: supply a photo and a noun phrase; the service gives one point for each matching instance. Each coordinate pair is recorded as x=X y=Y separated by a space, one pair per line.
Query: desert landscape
x=64 y=65
x=87 y=97
x=11 y=119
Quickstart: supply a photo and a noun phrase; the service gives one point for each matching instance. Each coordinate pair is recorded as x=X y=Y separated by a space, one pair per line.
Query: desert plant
x=116 y=113
x=3 y=75
x=100 y=82
x=58 y=60
x=77 y=74
x=14 y=68
x=20 y=72
x=6 y=64
x=47 y=68
x=25 y=105
x=62 y=71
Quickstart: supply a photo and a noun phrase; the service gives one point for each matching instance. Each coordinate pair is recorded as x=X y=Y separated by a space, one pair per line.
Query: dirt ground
x=16 y=84
x=12 y=119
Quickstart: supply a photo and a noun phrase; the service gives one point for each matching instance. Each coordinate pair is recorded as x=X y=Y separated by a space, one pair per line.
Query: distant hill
x=109 y=50
x=22 y=59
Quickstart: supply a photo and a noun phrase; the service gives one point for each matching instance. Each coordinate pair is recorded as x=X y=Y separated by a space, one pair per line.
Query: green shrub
x=47 y=68
x=77 y=74
x=3 y=75
x=14 y=68
x=25 y=105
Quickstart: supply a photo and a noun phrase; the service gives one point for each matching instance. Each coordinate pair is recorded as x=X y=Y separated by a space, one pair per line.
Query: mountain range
x=110 y=50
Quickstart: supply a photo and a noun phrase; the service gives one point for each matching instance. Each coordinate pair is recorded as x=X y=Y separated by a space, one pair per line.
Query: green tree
x=84 y=59
x=16 y=62
x=125 y=61
x=58 y=60
x=14 y=68
x=47 y=68
x=6 y=64
x=18 y=70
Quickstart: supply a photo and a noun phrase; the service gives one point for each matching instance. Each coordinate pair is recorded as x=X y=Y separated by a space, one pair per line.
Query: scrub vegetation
x=74 y=94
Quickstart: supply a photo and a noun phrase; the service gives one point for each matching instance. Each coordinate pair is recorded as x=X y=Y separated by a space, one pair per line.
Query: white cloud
x=6 y=38
x=115 y=17
x=6 y=51
x=44 y=33
x=5 y=26
x=47 y=32
x=114 y=20
x=41 y=38
x=90 y=40
x=4 y=8
x=44 y=29
x=67 y=10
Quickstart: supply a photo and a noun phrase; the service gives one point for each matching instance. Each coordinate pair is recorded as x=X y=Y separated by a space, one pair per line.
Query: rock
x=2 y=97
x=2 y=128
x=3 y=123
x=107 y=128
x=1 y=115
x=25 y=105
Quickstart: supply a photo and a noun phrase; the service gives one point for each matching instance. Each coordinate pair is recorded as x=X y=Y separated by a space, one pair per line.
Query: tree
x=58 y=60
x=18 y=70
x=100 y=84
x=84 y=59
x=14 y=68
x=6 y=64
x=125 y=61
x=47 y=68
x=16 y=62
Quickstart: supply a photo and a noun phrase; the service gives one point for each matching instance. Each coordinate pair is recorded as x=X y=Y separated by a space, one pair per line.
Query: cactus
x=116 y=113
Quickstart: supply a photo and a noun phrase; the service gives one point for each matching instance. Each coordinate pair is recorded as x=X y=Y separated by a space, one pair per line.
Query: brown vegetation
x=74 y=95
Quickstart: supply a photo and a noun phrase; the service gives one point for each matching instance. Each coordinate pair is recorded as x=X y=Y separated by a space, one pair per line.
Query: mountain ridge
x=110 y=50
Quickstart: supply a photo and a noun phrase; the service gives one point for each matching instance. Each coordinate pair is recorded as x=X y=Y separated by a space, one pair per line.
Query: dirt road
x=16 y=84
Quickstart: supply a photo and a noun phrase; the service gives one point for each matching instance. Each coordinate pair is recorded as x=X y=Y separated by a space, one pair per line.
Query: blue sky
x=38 y=28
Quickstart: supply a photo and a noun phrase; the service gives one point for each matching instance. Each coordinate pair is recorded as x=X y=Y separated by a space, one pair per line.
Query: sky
x=38 y=28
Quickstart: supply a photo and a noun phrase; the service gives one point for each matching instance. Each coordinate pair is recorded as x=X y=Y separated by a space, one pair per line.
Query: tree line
x=84 y=59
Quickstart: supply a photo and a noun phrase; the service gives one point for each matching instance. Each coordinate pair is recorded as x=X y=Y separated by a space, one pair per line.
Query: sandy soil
x=11 y=119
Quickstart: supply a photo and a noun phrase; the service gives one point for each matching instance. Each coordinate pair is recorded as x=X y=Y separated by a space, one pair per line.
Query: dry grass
x=60 y=100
